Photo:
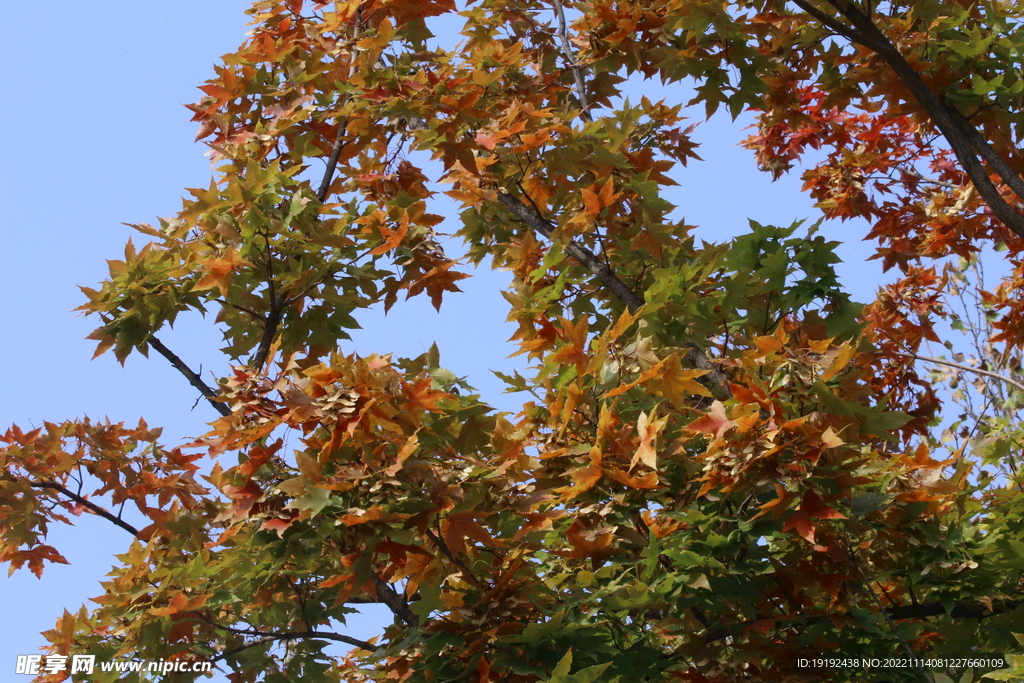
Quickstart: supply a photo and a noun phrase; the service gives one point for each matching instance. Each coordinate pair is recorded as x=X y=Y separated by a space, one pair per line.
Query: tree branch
x=193 y=379
x=293 y=635
x=602 y=272
x=270 y=325
x=390 y=597
x=966 y=368
x=842 y=29
x=570 y=55
x=332 y=161
x=607 y=277
x=965 y=141
x=961 y=610
x=265 y=637
x=443 y=547
x=93 y=507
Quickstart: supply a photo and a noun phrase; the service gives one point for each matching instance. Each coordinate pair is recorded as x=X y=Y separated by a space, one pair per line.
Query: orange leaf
x=375 y=514
x=811 y=508
x=777 y=506
x=592 y=543
x=623 y=388
x=648 y=431
x=537 y=521
x=486 y=140
x=621 y=325
x=647 y=481
x=458 y=526
x=437 y=281
x=714 y=422
x=392 y=238
x=178 y=603
x=839 y=360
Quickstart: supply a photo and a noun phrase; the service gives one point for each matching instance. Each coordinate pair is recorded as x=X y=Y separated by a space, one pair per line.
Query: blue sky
x=97 y=136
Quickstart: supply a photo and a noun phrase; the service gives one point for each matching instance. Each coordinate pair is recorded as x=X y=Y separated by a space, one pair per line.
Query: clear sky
x=96 y=136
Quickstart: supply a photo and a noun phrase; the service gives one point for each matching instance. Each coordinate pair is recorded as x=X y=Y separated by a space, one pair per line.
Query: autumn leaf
x=219 y=269
x=811 y=508
x=714 y=422
x=647 y=430
x=437 y=281
x=458 y=526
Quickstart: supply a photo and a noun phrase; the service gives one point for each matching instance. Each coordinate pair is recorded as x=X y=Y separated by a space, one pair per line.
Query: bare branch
x=395 y=602
x=193 y=379
x=92 y=507
x=966 y=368
x=570 y=55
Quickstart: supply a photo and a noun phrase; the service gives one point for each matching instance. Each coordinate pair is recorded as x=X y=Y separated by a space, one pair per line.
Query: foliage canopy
x=723 y=465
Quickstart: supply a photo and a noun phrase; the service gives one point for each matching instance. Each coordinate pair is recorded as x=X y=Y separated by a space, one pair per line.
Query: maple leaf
x=423 y=396
x=592 y=543
x=35 y=557
x=437 y=281
x=647 y=431
x=537 y=521
x=575 y=352
x=811 y=508
x=219 y=269
x=458 y=526
x=714 y=422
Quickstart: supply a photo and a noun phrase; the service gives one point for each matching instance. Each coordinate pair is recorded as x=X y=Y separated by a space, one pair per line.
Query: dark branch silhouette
x=92 y=507
x=964 y=139
x=193 y=378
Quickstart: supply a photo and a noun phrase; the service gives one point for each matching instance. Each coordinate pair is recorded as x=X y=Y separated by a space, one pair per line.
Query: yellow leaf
x=623 y=388
x=178 y=603
x=838 y=362
x=675 y=382
x=624 y=321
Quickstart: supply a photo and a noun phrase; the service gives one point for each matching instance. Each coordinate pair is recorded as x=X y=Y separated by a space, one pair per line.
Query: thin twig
x=966 y=368
x=193 y=379
x=266 y=637
x=607 y=277
x=295 y=635
x=933 y=181
x=443 y=547
x=855 y=559
x=93 y=507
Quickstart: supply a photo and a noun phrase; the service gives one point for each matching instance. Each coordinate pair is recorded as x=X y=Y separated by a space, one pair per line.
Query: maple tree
x=723 y=465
